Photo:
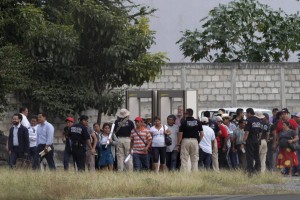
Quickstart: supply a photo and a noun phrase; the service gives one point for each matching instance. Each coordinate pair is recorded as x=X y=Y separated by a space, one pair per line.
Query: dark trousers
x=13 y=158
x=171 y=160
x=140 y=162
x=269 y=158
x=34 y=157
x=241 y=157
x=79 y=156
x=234 y=159
x=49 y=156
x=252 y=154
x=222 y=159
x=67 y=155
x=204 y=159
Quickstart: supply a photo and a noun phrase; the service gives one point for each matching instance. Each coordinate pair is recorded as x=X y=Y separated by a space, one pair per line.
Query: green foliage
x=80 y=51
x=243 y=31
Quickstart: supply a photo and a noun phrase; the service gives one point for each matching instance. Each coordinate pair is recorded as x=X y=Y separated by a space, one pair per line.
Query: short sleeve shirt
x=79 y=133
x=139 y=139
x=214 y=126
x=126 y=128
x=158 y=136
x=292 y=122
x=190 y=128
x=265 y=129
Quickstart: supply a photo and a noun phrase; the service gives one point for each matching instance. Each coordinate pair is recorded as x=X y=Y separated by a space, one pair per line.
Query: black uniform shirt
x=190 y=128
x=126 y=128
x=79 y=134
x=253 y=126
x=214 y=125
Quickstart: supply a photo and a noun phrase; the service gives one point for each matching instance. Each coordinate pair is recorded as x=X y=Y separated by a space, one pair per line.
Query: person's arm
x=149 y=141
x=245 y=136
x=63 y=136
x=201 y=135
x=88 y=143
x=115 y=140
x=233 y=141
x=95 y=141
x=50 y=135
x=295 y=139
x=179 y=139
x=275 y=140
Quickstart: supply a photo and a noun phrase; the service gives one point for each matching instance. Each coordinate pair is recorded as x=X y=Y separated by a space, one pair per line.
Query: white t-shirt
x=209 y=136
x=32 y=135
x=158 y=136
x=174 y=133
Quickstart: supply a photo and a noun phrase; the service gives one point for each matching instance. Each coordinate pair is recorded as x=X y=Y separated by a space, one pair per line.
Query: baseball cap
x=266 y=115
x=139 y=119
x=69 y=119
x=218 y=119
x=297 y=115
x=204 y=119
x=285 y=110
x=225 y=115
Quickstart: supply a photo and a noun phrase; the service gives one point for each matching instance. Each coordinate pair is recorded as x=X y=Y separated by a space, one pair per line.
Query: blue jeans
x=171 y=160
x=140 y=162
x=204 y=159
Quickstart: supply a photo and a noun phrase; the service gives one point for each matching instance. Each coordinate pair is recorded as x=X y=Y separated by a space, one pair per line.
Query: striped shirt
x=138 y=144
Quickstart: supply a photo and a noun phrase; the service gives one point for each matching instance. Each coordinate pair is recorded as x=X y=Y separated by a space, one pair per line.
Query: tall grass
x=71 y=185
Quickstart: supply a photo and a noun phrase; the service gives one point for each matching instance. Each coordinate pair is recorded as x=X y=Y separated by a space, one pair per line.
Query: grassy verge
x=71 y=185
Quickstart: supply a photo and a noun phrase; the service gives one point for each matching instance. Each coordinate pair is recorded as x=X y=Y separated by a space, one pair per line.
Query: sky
x=174 y=16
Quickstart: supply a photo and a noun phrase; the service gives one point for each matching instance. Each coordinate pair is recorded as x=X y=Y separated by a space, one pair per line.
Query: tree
x=82 y=51
x=243 y=31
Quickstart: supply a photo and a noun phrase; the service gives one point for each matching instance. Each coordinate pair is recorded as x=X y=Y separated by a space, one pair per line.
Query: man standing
x=239 y=115
x=222 y=141
x=214 y=125
x=123 y=128
x=18 y=140
x=80 y=138
x=24 y=113
x=179 y=116
x=237 y=140
x=91 y=152
x=263 y=147
x=32 y=139
x=66 y=139
x=45 y=134
x=206 y=144
x=187 y=139
x=251 y=139
x=172 y=153
x=140 y=142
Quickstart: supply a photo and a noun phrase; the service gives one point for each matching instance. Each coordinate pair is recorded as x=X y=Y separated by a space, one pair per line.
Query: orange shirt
x=138 y=144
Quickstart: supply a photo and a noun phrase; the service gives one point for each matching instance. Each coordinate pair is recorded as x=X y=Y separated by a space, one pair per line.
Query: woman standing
x=107 y=153
x=286 y=157
x=158 y=132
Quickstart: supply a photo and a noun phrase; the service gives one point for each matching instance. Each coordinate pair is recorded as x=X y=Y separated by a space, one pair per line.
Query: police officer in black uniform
x=79 y=139
x=189 y=136
x=252 y=138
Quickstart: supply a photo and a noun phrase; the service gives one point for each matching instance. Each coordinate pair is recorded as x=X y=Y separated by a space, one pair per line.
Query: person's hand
x=145 y=149
x=167 y=132
x=290 y=141
x=110 y=141
x=177 y=148
x=274 y=148
x=93 y=151
x=233 y=149
x=64 y=140
x=224 y=149
x=46 y=149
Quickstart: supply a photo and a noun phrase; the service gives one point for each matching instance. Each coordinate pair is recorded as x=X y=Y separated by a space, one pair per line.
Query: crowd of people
x=254 y=142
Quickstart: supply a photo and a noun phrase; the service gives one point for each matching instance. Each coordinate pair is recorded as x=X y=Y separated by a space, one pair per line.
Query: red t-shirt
x=292 y=122
x=222 y=136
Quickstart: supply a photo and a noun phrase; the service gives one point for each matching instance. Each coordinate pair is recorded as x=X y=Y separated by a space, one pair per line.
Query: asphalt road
x=233 y=197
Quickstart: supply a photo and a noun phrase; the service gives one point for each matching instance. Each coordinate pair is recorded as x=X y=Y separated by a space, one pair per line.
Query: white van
x=230 y=112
